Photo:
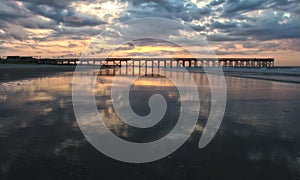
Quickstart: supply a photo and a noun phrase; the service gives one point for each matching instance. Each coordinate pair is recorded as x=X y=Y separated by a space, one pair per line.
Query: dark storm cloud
x=43 y=14
x=184 y=10
x=55 y=13
x=264 y=46
x=15 y=26
x=139 y=2
x=127 y=46
x=240 y=27
x=235 y=6
x=198 y=27
x=82 y=20
x=53 y=3
x=3 y=35
x=285 y=5
x=14 y=18
x=9 y=10
x=61 y=12
x=219 y=25
x=220 y=37
x=36 y=23
x=271 y=32
x=216 y=2
x=152 y=42
x=271 y=26
x=74 y=33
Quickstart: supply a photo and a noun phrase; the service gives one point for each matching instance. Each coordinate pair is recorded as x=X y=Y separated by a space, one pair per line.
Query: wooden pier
x=168 y=62
x=158 y=62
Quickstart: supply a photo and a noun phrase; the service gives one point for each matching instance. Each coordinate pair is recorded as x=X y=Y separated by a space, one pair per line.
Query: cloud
x=263 y=25
x=236 y=6
x=52 y=3
x=10 y=10
x=216 y=2
x=62 y=13
x=219 y=25
x=224 y=37
x=198 y=27
x=36 y=22
x=184 y=10
x=16 y=32
x=74 y=33
x=71 y=45
x=270 y=26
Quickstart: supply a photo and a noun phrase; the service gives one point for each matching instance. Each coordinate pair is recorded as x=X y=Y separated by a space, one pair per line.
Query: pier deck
x=168 y=62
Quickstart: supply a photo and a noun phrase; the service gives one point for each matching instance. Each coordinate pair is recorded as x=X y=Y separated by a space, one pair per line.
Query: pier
x=152 y=62
x=168 y=62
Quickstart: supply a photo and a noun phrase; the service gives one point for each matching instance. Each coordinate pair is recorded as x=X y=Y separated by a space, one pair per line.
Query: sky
x=232 y=28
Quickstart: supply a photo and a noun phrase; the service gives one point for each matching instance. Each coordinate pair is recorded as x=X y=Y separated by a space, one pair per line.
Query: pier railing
x=159 y=62
x=169 y=62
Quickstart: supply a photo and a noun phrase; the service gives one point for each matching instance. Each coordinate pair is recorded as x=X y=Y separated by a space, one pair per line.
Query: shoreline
x=264 y=78
x=285 y=75
x=15 y=72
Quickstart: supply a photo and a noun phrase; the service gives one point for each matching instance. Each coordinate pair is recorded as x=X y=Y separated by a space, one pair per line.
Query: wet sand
x=13 y=72
x=259 y=137
x=280 y=74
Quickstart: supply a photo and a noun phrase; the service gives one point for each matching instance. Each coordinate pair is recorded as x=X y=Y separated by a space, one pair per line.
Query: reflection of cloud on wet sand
x=68 y=143
x=41 y=96
x=38 y=130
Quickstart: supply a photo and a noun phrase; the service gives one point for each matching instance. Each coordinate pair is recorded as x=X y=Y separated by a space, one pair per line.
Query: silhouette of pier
x=168 y=62
x=151 y=62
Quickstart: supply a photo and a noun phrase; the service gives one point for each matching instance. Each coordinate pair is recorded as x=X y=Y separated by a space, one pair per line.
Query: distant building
x=21 y=59
x=9 y=58
x=27 y=59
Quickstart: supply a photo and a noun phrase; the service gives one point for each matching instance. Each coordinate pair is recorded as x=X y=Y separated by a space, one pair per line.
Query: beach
x=280 y=74
x=40 y=137
x=12 y=72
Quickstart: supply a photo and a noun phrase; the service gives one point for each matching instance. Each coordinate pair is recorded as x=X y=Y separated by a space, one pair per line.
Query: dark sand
x=280 y=74
x=259 y=137
x=13 y=72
